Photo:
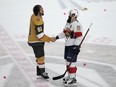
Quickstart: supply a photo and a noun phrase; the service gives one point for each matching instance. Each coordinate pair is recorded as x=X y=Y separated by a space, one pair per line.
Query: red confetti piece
x=4 y=77
x=84 y=64
x=64 y=13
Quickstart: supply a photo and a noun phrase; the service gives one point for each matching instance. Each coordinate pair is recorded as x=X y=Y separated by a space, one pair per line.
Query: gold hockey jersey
x=36 y=32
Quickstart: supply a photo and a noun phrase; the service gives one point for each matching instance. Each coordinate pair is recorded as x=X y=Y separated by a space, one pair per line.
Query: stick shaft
x=85 y=35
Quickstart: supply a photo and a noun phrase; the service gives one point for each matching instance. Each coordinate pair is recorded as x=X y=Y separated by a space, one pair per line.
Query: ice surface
x=17 y=67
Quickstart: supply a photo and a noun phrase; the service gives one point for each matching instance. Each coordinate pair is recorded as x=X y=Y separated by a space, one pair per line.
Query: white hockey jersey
x=72 y=33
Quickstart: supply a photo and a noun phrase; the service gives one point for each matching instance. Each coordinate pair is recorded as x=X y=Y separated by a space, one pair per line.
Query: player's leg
x=69 y=54
x=65 y=79
x=40 y=59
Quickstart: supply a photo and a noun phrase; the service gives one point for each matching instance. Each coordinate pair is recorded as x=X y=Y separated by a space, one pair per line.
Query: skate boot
x=66 y=79
x=72 y=82
x=41 y=73
x=45 y=76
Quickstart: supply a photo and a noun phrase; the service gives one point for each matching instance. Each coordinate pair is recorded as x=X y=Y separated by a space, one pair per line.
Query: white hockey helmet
x=75 y=12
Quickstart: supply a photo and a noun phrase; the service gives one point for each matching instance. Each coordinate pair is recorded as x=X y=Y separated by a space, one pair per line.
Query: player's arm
x=45 y=38
x=40 y=34
x=63 y=33
x=78 y=35
x=78 y=32
x=60 y=35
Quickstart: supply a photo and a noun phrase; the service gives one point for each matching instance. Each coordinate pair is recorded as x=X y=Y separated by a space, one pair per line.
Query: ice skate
x=43 y=76
x=66 y=79
x=72 y=82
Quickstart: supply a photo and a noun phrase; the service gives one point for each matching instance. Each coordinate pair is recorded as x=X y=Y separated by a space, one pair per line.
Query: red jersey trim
x=72 y=69
x=78 y=34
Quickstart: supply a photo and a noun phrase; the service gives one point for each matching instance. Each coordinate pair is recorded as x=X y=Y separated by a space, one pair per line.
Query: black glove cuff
x=57 y=37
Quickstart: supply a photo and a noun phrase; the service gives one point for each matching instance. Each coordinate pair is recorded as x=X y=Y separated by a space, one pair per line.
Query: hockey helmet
x=74 y=12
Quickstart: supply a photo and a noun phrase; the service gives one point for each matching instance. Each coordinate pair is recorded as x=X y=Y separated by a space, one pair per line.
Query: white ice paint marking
x=87 y=77
x=16 y=54
x=5 y=56
x=90 y=78
x=82 y=60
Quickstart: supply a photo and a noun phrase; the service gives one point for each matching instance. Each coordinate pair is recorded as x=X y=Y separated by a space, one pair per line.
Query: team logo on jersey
x=39 y=29
x=78 y=28
x=38 y=19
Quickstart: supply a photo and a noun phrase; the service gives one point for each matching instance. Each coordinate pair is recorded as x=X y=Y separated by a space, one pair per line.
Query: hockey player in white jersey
x=72 y=33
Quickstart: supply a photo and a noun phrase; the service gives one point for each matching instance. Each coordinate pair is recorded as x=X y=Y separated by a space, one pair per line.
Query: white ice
x=15 y=18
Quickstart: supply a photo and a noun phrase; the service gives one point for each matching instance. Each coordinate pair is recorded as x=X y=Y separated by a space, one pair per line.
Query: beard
x=42 y=14
x=69 y=19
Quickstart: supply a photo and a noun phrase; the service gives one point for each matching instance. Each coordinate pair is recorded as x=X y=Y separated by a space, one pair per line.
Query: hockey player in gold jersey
x=37 y=39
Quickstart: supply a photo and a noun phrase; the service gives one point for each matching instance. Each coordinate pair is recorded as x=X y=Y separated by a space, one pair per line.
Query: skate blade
x=74 y=85
x=39 y=77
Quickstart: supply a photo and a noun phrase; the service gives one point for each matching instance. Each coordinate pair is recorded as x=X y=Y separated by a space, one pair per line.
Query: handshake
x=53 y=39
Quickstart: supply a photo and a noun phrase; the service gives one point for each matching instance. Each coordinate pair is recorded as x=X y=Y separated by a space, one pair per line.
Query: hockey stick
x=61 y=76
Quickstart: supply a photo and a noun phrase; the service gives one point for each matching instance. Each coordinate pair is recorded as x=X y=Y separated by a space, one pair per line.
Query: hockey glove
x=76 y=49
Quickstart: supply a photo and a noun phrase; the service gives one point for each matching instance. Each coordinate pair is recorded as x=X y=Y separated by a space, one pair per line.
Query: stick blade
x=58 y=77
